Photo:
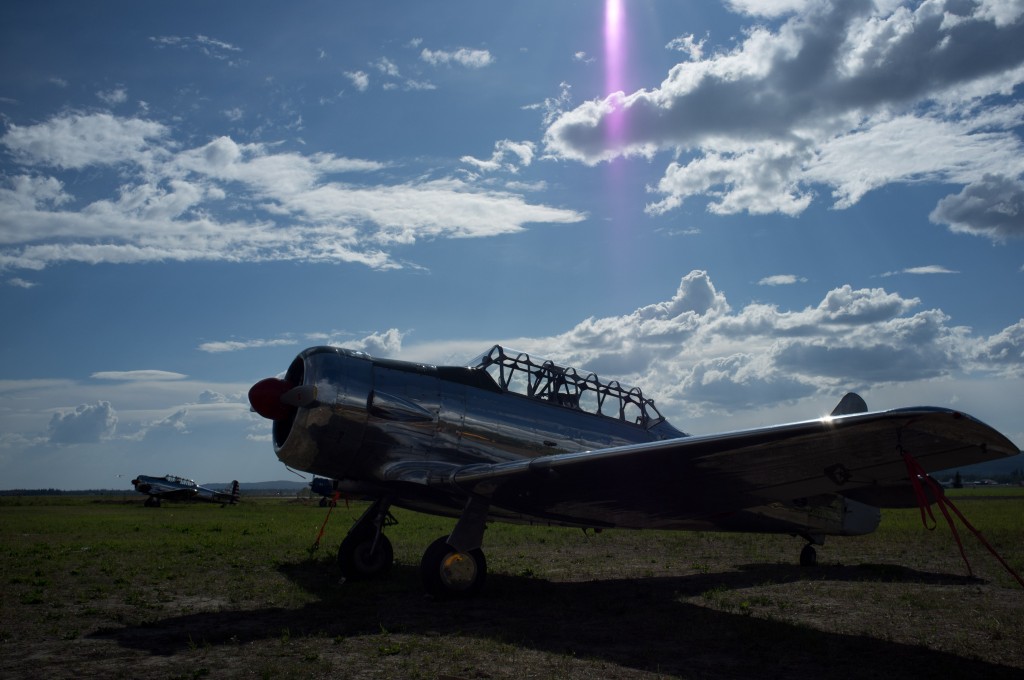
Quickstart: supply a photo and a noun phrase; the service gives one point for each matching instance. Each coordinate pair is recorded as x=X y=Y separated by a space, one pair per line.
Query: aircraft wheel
x=449 y=574
x=808 y=556
x=356 y=560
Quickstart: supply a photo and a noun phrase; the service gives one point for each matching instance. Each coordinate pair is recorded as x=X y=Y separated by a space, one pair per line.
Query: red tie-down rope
x=918 y=479
x=334 y=501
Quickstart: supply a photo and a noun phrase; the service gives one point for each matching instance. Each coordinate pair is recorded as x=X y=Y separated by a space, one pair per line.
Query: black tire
x=357 y=562
x=808 y=556
x=448 y=574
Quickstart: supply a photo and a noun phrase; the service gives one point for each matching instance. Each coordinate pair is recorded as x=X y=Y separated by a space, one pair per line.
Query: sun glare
x=614 y=59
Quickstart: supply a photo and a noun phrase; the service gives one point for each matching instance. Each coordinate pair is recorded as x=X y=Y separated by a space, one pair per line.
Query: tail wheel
x=448 y=573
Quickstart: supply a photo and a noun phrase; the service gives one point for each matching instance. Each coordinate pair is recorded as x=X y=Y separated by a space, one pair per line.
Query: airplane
x=174 y=488
x=513 y=438
x=323 y=487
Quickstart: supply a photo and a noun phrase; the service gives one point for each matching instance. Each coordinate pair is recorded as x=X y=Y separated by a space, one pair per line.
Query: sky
x=745 y=208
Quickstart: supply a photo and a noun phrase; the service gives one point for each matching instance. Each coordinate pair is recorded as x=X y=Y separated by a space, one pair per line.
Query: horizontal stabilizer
x=849 y=405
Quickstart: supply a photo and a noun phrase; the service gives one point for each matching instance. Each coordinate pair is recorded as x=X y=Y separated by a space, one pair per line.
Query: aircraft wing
x=172 y=493
x=858 y=456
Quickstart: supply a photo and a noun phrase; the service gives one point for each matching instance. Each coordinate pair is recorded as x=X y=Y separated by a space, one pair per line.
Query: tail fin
x=234 y=492
x=850 y=404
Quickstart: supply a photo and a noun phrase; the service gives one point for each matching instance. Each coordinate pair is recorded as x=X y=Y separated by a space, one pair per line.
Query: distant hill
x=994 y=468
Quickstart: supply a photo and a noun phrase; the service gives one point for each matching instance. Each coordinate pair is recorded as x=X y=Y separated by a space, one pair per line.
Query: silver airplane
x=512 y=438
x=174 y=488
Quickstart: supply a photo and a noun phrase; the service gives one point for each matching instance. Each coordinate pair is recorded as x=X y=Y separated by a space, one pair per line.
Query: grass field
x=103 y=587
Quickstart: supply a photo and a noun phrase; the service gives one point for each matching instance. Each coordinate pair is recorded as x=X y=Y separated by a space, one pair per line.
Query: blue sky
x=746 y=209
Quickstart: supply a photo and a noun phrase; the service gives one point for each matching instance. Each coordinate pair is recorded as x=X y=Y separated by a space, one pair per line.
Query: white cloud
x=553 y=107
x=210 y=47
x=469 y=58
x=216 y=347
x=386 y=344
x=689 y=45
x=88 y=423
x=144 y=375
x=781 y=280
x=713 y=368
x=387 y=67
x=852 y=96
x=360 y=79
x=169 y=204
x=701 y=358
x=1004 y=351
x=212 y=397
x=993 y=207
x=521 y=153
x=113 y=97
x=924 y=270
x=75 y=141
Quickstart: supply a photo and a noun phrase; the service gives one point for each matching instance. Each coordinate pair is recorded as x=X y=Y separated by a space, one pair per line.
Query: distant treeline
x=59 y=492
x=256 y=491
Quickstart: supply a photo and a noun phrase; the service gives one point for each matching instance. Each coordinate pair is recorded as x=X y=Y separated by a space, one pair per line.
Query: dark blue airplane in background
x=174 y=488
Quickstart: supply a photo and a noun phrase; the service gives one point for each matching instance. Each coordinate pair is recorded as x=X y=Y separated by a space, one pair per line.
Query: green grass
x=98 y=587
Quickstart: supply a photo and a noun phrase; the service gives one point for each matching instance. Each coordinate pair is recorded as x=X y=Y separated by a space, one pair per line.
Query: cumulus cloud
x=992 y=207
x=701 y=357
x=88 y=423
x=1004 y=350
x=386 y=344
x=170 y=203
x=212 y=397
x=850 y=96
x=174 y=423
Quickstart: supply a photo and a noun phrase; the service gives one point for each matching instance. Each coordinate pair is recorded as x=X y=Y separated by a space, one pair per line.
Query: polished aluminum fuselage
x=401 y=431
x=518 y=439
x=371 y=416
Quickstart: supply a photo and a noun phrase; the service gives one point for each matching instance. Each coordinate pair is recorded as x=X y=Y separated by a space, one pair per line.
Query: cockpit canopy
x=516 y=372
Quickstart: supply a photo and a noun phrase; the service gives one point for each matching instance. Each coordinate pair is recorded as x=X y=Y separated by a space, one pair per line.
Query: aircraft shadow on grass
x=636 y=623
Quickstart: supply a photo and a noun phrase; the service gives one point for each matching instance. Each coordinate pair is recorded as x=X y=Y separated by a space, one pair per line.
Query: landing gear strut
x=366 y=552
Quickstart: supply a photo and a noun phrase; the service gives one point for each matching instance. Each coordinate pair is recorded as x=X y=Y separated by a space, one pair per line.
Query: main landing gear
x=809 y=556
x=448 y=573
x=452 y=567
x=366 y=552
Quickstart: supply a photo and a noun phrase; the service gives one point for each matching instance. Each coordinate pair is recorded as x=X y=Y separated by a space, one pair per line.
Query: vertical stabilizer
x=850 y=404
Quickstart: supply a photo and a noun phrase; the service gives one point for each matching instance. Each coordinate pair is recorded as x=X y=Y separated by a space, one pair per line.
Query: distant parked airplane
x=511 y=438
x=324 y=488
x=174 y=488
